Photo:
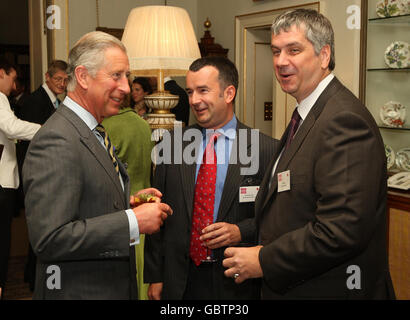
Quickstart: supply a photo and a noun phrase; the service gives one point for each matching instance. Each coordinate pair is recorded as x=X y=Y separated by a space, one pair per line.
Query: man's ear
x=2 y=73
x=81 y=75
x=229 y=94
x=325 y=56
x=47 y=76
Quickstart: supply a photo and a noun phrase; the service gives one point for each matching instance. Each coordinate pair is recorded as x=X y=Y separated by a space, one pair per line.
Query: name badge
x=284 y=181
x=248 y=193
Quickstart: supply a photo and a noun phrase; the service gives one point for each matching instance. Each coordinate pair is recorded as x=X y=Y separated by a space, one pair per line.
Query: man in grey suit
x=171 y=267
x=321 y=209
x=77 y=191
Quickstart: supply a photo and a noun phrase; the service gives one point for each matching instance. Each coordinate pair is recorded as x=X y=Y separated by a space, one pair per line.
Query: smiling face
x=297 y=67
x=212 y=106
x=107 y=90
x=58 y=82
x=137 y=92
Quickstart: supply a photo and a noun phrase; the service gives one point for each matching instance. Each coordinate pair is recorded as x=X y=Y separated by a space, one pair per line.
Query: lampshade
x=160 y=37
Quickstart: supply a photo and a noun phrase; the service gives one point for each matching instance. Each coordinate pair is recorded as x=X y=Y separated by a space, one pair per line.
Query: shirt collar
x=84 y=115
x=306 y=104
x=228 y=130
x=50 y=93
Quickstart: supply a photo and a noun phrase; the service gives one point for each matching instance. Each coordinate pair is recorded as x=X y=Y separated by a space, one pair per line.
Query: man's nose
x=281 y=59
x=194 y=99
x=124 y=85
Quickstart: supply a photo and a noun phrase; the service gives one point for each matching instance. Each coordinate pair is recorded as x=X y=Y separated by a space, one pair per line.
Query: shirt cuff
x=134 y=230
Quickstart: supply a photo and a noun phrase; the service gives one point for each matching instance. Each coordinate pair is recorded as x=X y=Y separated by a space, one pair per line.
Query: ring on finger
x=236 y=275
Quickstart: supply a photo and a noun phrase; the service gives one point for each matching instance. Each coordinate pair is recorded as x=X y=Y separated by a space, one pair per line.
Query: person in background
x=131 y=138
x=181 y=110
x=139 y=89
x=11 y=128
x=77 y=191
x=43 y=102
x=37 y=108
x=19 y=96
x=321 y=209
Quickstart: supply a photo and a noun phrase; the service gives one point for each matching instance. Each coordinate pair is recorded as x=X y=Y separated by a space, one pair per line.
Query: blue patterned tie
x=108 y=145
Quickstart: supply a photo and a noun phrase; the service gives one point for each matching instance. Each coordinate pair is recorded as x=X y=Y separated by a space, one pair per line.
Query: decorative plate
x=397 y=55
x=392 y=8
x=393 y=114
x=404 y=7
x=390 y=156
x=399 y=180
x=403 y=159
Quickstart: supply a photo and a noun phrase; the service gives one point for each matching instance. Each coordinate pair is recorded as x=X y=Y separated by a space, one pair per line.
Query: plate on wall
x=393 y=114
x=397 y=55
x=392 y=8
x=403 y=159
x=390 y=156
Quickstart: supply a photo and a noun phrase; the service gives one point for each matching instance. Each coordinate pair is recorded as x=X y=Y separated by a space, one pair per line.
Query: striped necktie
x=108 y=145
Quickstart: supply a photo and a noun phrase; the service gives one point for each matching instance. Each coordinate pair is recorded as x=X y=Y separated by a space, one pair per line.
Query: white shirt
x=50 y=94
x=12 y=128
x=91 y=123
x=304 y=108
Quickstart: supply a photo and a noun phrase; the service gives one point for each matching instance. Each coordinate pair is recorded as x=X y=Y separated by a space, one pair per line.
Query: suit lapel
x=51 y=108
x=188 y=179
x=303 y=131
x=233 y=177
x=93 y=145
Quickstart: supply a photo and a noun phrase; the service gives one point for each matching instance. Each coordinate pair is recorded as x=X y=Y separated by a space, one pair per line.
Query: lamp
x=160 y=41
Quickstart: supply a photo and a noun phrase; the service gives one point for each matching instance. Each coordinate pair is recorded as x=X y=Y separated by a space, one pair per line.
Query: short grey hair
x=318 y=29
x=89 y=52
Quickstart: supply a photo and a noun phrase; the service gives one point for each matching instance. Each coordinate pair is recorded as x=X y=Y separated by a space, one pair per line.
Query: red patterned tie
x=204 y=200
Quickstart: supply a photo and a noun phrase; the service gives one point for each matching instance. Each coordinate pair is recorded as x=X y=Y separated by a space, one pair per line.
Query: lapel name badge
x=284 y=181
x=248 y=193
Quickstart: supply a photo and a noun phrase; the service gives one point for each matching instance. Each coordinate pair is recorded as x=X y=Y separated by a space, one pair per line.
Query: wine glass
x=209 y=258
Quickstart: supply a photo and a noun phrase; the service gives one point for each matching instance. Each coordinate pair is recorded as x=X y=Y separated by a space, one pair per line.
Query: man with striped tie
x=80 y=223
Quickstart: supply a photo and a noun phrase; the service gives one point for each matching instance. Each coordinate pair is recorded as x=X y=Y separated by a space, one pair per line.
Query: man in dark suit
x=321 y=209
x=181 y=110
x=37 y=108
x=43 y=102
x=77 y=191
x=171 y=267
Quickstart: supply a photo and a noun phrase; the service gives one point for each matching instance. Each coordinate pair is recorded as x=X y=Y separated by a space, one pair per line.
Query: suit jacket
x=167 y=253
x=75 y=213
x=334 y=215
x=37 y=107
x=11 y=128
x=181 y=110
